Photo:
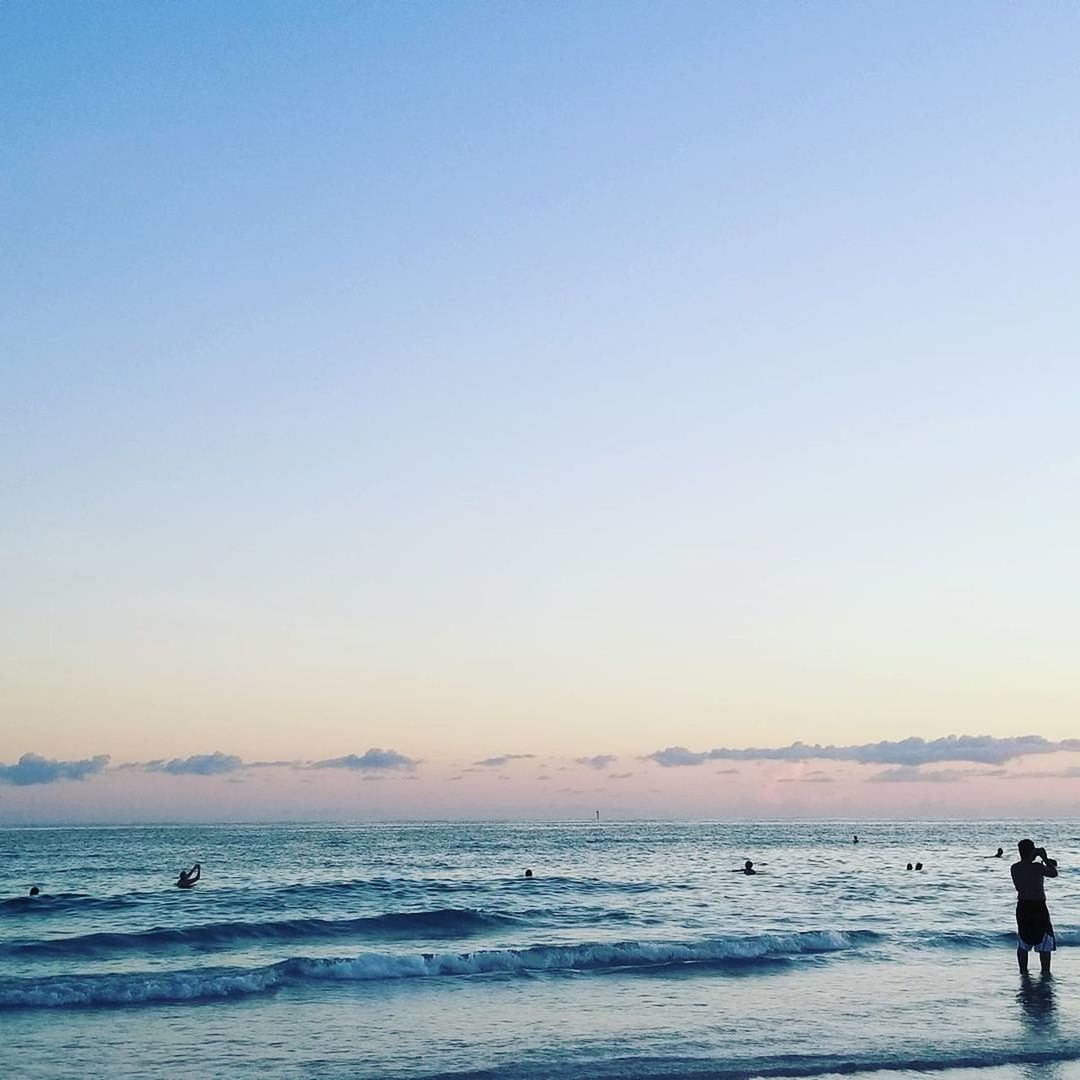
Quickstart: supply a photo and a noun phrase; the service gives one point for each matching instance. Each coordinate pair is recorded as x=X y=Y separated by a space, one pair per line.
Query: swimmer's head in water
x=528 y=873
x=748 y=865
x=910 y=867
x=35 y=891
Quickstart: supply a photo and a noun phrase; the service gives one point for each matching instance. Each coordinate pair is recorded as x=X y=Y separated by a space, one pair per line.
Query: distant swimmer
x=1033 y=927
x=746 y=868
x=187 y=878
x=855 y=838
x=35 y=891
x=918 y=866
x=997 y=854
x=910 y=867
x=528 y=873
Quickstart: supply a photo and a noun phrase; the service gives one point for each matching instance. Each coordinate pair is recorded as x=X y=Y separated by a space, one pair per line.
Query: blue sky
x=571 y=379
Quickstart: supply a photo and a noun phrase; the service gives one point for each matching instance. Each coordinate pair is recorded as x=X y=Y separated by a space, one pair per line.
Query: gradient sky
x=568 y=380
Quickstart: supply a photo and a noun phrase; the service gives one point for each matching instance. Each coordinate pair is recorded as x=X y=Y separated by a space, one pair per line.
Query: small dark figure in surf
x=187 y=878
x=918 y=866
x=910 y=867
x=35 y=891
x=855 y=838
x=997 y=854
x=528 y=873
x=1033 y=927
x=746 y=868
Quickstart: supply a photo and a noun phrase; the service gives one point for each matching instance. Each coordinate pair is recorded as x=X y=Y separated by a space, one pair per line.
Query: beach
x=422 y=951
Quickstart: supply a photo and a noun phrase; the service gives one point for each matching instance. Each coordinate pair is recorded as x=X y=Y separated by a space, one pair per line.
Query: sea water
x=422 y=951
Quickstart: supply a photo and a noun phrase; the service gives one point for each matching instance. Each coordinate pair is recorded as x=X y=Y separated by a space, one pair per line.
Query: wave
x=512 y=880
x=979 y=939
x=443 y=922
x=180 y=986
x=590 y=957
x=334 y=893
x=63 y=903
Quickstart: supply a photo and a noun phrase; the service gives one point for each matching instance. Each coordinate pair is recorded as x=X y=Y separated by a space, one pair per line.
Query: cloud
x=980 y=749
x=621 y=775
x=912 y=774
x=502 y=759
x=817 y=776
x=215 y=764
x=373 y=760
x=1072 y=773
x=35 y=769
x=676 y=756
x=597 y=761
x=727 y=772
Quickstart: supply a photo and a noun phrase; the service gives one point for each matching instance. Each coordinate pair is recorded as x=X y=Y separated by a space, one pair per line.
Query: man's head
x=748 y=865
x=1026 y=848
x=35 y=891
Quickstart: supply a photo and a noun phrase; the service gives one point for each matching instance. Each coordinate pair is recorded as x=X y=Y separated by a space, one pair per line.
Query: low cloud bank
x=912 y=774
x=911 y=752
x=1071 y=773
x=502 y=759
x=35 y=769
x=215 y=764
x=597 y=761
x=374 y=760
x=905 y=759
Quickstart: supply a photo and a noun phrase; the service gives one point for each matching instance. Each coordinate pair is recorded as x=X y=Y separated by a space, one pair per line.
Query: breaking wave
x=180 y=986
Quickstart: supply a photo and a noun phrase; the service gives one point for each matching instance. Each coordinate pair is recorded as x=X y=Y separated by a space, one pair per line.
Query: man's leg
x=1022 y=960
x=1044 y=960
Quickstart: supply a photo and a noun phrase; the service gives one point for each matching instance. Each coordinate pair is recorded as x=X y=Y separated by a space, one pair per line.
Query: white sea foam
x=193 y=985
x=137 y=989
x=625 y=954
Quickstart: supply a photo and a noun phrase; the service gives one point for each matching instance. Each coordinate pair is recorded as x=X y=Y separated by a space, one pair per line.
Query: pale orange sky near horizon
x=559 y=789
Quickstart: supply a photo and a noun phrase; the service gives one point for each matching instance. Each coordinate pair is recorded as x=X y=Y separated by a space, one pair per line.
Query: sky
x=390 y=388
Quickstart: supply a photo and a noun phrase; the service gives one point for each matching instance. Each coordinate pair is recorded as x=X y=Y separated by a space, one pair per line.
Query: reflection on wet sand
x=1038 y=1021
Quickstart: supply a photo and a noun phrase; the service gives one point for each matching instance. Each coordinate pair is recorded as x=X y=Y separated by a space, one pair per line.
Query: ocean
x=422 y=951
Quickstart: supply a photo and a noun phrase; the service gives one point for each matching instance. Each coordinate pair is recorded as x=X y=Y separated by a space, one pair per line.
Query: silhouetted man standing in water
x=1033 y=925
